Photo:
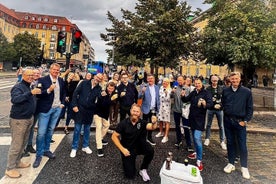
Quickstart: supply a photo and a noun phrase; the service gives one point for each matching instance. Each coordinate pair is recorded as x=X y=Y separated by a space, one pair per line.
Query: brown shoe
x=23 y=165
x=13 y=173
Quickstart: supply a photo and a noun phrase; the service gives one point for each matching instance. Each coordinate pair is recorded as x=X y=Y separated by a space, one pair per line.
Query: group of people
x=96 y=98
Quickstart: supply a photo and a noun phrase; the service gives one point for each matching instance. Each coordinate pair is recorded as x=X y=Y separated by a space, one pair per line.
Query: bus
x=95 y=67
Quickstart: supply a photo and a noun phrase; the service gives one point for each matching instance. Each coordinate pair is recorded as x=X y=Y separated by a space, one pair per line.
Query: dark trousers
x=123 y=112
x=234 y=131
x=147 y=117
x=129 y=162
x=177 y=118
x=113 y=114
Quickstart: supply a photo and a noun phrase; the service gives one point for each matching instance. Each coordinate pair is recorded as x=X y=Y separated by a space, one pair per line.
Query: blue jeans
x=198 y=143
x=76 y=136
x=232 y=129
x=177 y=117
x=219 y=115
x=46 y=125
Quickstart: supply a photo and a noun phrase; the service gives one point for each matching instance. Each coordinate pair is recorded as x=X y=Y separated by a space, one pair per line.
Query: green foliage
x=27 y=46
x=241 y=33
x=158 y=30
x=7 y=53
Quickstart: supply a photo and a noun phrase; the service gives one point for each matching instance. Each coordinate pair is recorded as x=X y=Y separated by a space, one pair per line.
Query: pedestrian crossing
x=6 y=83
x=28 y=174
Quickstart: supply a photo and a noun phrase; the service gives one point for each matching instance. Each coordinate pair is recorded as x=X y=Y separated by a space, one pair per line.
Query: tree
x=159 y=30
x=27 y=46
x=7 y=52
x=241 y=33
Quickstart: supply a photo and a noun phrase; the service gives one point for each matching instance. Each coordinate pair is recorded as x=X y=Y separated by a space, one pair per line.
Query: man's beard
x=134 y=118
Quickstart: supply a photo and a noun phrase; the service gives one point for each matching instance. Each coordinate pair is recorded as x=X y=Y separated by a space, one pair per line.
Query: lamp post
x=274 y=84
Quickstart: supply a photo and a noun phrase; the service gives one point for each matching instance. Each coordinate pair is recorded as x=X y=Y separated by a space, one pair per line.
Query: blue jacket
x=147 y=99
x=23 y=102
x=85 y=98
x=45 y=100
x=239 y=104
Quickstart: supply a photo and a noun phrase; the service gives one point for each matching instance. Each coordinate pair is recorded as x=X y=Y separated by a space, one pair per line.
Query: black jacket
x=23 y=102
x=238 y=104
x=197 y=114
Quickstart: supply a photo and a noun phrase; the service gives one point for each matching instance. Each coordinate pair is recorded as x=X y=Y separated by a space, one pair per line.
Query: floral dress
x=164 y=113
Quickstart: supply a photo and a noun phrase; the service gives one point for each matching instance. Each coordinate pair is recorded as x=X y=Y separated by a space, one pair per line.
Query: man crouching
x=130 y=138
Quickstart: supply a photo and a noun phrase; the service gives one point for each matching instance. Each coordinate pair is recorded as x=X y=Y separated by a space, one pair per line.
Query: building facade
x=45 y=28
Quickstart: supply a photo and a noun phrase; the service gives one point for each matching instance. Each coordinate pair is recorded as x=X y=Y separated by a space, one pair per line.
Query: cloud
x=89 y=15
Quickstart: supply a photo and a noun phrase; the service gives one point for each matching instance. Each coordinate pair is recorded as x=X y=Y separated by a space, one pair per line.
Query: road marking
x=5 y=141
x=30 y=174
x=6 y=87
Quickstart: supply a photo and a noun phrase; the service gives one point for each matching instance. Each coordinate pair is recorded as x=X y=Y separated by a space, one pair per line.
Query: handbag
x=186 y=110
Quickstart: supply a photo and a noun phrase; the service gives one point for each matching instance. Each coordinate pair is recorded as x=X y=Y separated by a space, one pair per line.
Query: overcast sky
x=89 y=15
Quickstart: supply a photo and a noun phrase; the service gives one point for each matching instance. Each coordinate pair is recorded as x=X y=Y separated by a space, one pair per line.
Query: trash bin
x=179 y=174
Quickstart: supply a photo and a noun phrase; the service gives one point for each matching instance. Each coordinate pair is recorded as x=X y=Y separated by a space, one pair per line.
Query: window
x=52 y=55
x=55 y=20
x=24 y=25
x=26 y=17
x=46 y=19
x=44 y=27
x=30 y=25
x=39 y=18
x=52 y=46
x=33 y=18
x=36 y=34
x=43 y=35
x=53 y=36
x=63 y=28
x=37 y=26
x=54 y=28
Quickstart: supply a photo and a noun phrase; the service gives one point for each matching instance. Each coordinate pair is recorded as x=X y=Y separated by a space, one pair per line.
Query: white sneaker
x=73 y=153
x=223 y=146
x=160 y=134
x=87 y=150
x=207 y=142
x=245 y=173
x=143 y=173
x=229 y=168
x=165 y=139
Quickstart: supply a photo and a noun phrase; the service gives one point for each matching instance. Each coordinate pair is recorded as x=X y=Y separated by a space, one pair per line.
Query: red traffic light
x=77 y=34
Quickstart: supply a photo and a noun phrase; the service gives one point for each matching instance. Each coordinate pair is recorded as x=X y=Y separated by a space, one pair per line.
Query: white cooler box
x=179 y=173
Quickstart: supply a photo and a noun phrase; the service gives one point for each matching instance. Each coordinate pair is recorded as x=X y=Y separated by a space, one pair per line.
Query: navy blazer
x=45 y=100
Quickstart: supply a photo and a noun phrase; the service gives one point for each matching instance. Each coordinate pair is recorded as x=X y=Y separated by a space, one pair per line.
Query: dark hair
x=112 y=84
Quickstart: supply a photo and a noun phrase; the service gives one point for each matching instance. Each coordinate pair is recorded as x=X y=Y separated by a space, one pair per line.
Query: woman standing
x=200 y=100
x=165 y=110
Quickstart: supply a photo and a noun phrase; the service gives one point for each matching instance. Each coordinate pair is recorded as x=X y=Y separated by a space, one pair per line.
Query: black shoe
x=37 y=162
x=149 y=140
x=66 y=131
x=49 y=154
x=30 y=149
x=100 y=153
x=25 y=154
x=104 y=142
x=178 y=144
x=190 y=149
x=52 y=141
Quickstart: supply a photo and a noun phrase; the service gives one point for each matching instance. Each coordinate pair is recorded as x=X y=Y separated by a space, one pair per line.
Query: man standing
x=216 y=109
x=151 y=102
x=22 y=111
x=29 y=147
x=177 y=114
x=49 y=105
x=238 y=110
x=128 y=95
x=130 y=139
x=84 y=102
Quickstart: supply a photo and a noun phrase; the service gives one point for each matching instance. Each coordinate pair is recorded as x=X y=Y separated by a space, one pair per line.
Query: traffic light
x=76 y=39
x=61 y=43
